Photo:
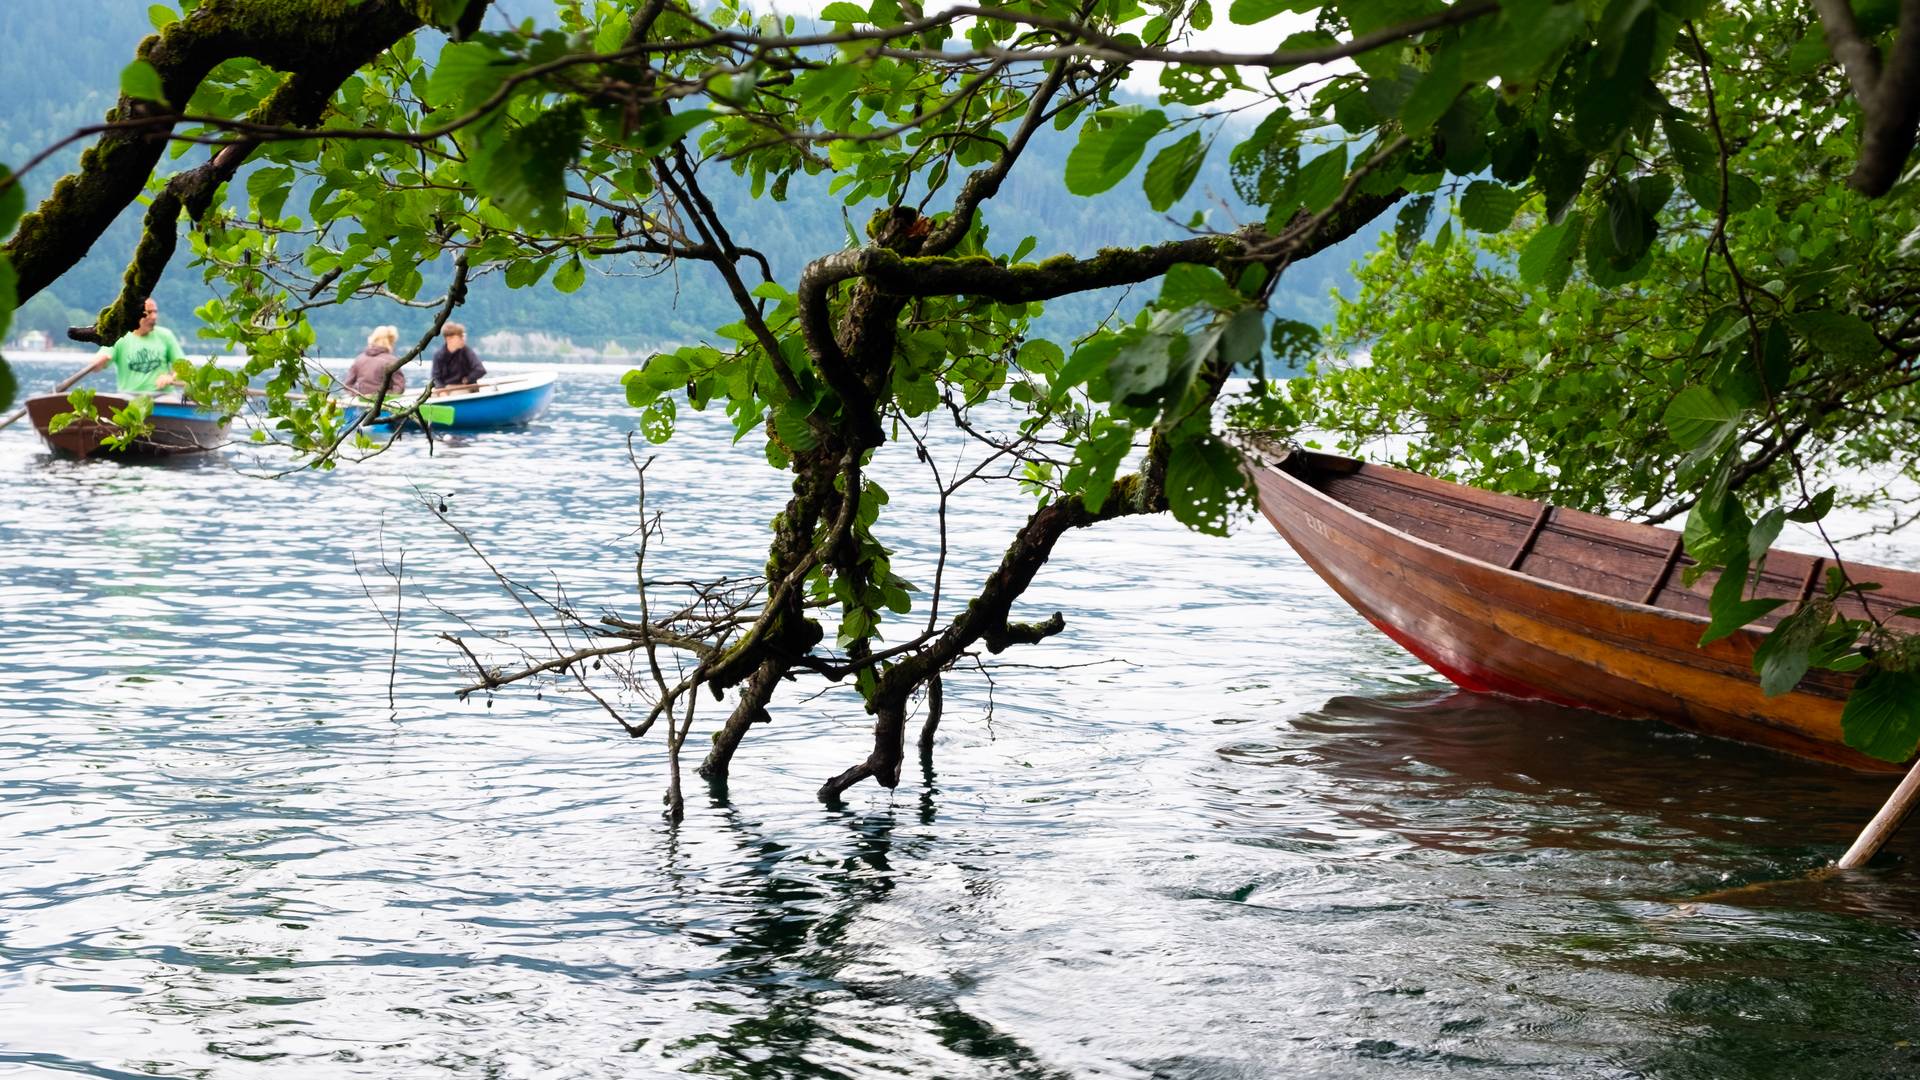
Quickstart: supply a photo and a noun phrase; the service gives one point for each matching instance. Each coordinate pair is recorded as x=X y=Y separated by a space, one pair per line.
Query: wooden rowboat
x=179 y=427
x=1505 y=595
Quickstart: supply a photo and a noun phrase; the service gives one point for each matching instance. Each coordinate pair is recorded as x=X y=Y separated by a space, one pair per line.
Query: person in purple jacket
x=455 y=365
x=376 y=365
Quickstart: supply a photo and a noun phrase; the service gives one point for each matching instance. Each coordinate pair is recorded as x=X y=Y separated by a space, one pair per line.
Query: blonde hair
x=383 y=335
x=453 y=328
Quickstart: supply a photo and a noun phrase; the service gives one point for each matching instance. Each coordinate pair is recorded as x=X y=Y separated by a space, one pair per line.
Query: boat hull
x=178 y=428
x=512 y=406
x=1492 y=629
x=502 y=403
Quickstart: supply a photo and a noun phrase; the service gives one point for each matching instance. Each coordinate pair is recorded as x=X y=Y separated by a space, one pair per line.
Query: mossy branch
x=320 y=42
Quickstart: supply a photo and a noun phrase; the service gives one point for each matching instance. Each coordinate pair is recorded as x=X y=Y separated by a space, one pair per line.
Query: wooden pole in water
x=1882 y=827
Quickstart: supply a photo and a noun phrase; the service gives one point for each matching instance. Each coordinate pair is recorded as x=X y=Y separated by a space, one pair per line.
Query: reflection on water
x=1260 y=842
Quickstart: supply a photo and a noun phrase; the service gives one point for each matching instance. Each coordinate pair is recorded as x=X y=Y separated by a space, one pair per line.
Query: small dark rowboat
x=178 y=428
x=1505 y=595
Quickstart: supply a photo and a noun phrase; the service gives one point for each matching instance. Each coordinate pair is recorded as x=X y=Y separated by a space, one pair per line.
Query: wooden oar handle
x=67 y=383
x=1882 y=827
x=60 y=388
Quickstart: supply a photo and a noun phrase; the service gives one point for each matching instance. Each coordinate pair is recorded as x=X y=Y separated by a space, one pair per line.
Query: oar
x=65 y=385
x=1881 y=828
x=464 y=387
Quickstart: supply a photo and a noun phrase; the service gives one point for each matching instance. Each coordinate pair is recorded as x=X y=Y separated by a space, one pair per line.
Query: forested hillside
x=59 y=66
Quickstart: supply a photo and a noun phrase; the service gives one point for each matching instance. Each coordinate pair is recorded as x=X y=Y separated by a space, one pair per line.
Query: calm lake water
x=1218 y=828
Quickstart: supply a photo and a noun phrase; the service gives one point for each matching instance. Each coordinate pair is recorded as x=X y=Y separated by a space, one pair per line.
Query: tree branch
x=328 y=42
x=1889 y=96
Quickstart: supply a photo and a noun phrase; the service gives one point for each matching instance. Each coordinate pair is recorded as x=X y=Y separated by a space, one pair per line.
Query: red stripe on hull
x=1472 y=678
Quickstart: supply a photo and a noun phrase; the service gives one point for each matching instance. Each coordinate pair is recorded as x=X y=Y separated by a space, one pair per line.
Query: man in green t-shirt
x=143 y=360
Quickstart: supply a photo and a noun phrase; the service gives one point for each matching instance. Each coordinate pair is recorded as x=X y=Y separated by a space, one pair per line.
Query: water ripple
x=1237 y=834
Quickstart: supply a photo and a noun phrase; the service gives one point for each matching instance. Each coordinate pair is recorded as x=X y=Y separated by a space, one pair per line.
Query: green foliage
x=1645 y=294
x=141 y=82
x=1883 y=714
x=1623 y=330
x=1111 y=144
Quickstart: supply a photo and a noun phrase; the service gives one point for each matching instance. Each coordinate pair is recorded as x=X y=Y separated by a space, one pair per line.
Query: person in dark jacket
x=376 y=362
x=455 y=364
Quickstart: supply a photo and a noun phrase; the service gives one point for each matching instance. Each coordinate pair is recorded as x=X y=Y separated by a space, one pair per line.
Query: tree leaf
x=1110 y=145
x=656 y=420
x=1846 y=338
x=1716 y=530
x=1142 y=369
x=141 y=82
x=1249 y=12
x=1630 y=224
x=1765 y=532
x=1727 y=607
x=664 y=132
x=446 y=13
x=9 y=297
x=1882 y=717
x=1038 y=356
x=1189 y=285
x=268 y=187
x=1461 y=133
x=1092 y=357
x=524 y=272
x=1616 y=83
x=13 y=201
x=1776 y=363
x=1434 y=93
x=1410 y=224
x=1561 y=172
x=1699 y=159
x=1607 y=267
x=1318 y=182
x=523 y=172
x=465 y=74
x=1205 y=484
x=843 y=12
x=1245 y=333
x=1488 y=207
x=1514 y=152
x=1293 y=342
x=1172 y=172
x=1696 y=415
x=1814 y=510
x=570 y=276
x=820 y=87
x=160 y=16
x=1783 y=658
x=1551 y=246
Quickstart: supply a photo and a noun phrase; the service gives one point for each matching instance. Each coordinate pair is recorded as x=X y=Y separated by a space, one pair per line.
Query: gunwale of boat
x=1900 y=588
x=493 y=388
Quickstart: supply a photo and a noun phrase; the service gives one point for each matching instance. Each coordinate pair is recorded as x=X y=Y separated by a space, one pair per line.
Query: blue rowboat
x=497 y=403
